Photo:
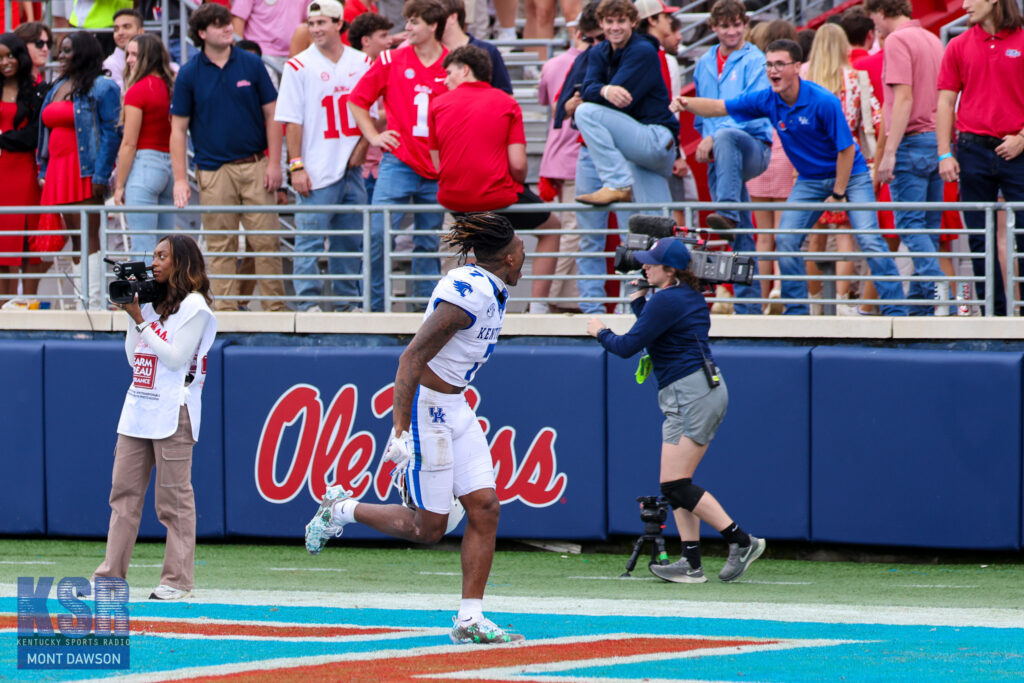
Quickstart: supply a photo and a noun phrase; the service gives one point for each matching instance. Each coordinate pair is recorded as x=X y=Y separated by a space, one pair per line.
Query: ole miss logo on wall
x=328 y=453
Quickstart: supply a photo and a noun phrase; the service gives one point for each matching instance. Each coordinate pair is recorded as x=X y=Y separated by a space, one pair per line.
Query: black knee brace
x=682 y=493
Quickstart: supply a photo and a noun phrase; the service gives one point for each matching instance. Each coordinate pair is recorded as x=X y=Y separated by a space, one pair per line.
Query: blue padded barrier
x=85 y=384
x=916 y=447
x=291 y=425
x=21 y=424
x=758 y=465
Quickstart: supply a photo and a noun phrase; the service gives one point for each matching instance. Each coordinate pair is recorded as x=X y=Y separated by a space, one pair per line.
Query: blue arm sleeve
x=109 y=115
x=653 y=320
x=499 y=72
x=597 y=67
x=753 y=105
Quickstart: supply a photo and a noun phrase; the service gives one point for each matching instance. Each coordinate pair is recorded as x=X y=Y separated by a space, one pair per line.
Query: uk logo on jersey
x=463 y=288
x=437 y=415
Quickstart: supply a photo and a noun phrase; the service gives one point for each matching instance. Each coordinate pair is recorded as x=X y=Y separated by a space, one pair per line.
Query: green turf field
x=395 y=569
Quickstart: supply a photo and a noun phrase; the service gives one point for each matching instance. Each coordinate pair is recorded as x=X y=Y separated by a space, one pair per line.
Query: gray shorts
x=692 y=408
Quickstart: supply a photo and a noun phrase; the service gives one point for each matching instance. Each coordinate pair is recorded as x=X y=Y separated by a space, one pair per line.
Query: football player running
x=437 y=443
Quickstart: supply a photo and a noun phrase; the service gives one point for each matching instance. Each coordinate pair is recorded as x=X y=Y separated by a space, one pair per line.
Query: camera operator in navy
x=673 y=326
x=166 y=345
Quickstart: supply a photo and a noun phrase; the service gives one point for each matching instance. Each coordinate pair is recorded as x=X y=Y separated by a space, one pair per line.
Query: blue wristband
x=947 y=155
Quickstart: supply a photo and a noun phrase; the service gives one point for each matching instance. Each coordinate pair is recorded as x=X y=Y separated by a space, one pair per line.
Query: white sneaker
x=323 y=525
x=846 y=309
x=942 y=296
x=163 y=592
x=816 y=309
x=315 y=308
x=539 y=307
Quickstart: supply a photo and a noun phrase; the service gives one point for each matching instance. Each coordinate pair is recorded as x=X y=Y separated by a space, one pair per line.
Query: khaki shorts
x=692 y=408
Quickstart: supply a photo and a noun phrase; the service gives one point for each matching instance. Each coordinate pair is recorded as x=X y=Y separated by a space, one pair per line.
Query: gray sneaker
x=679 y=572
x=323 y=526
x=741 y=558
x=482 y=632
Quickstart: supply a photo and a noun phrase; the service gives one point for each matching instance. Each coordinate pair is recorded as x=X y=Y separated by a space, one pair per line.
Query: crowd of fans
x=352 y=112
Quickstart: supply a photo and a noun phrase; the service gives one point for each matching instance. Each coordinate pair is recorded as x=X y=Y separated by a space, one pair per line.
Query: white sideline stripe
x=933 y=585
x=440 y=573
x=300 y=639
x=777 y=583
x=292 y=662
x=25 y=562
x=146 y=566
x=802 y=613
x=306 y=569
x=512 y=672
x=614 y=578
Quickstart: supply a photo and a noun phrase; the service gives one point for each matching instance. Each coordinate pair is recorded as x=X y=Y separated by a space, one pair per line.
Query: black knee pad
x=682 y=493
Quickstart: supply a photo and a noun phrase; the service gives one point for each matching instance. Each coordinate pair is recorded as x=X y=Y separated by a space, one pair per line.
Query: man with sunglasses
x=830 y=167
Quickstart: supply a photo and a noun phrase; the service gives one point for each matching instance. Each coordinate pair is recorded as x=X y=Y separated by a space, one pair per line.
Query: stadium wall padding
x=889 y=446
x=22 y=430
x=293 y=424
x=916 y=447
x=84 y=387
x=763 y=438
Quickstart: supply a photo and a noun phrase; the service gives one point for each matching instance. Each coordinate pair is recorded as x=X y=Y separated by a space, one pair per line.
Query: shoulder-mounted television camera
x=711 y=267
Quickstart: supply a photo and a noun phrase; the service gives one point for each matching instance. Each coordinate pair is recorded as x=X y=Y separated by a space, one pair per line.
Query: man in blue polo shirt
x=224 y=97
x=830 y=167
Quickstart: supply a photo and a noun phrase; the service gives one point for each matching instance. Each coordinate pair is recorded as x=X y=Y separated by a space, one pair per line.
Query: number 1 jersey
x=314 y=94
x=407 y=87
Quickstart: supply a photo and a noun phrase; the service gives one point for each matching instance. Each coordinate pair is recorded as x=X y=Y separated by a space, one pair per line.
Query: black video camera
x=712 y=267
x=653 y=509
x=132 y=279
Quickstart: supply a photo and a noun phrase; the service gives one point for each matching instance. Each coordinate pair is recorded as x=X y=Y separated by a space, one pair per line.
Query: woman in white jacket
x=166 y=345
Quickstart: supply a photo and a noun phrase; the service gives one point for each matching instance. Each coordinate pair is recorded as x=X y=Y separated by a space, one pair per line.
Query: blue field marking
x=880 y=652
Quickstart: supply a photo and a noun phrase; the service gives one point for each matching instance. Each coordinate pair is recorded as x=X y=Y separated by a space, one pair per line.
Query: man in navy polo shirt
x=224 y=97
x=830 y=168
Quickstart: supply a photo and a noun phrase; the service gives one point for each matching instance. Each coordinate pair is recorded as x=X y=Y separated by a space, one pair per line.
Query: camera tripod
x=653 y=513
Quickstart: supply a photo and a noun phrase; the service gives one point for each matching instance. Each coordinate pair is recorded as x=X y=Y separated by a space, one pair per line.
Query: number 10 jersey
x=314 y=94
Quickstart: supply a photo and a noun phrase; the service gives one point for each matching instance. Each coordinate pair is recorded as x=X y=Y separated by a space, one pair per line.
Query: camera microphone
x=653 y=226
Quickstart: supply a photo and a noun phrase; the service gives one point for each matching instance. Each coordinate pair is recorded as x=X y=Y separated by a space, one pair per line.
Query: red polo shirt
x=988 y=70
x=471 y=127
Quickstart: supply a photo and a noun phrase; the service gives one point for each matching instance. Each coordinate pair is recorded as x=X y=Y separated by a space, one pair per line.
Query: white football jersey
x=314 y=94
x=483 y=296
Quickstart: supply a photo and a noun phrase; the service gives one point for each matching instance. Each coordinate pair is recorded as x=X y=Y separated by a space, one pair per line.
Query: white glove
x=399 y=449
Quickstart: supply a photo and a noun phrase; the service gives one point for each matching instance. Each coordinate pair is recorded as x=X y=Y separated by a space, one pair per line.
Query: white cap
x=325 y=8
x=650 y=8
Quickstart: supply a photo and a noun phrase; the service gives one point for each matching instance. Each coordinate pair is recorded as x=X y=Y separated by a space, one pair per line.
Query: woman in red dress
x=78 y=144
x=20 y=105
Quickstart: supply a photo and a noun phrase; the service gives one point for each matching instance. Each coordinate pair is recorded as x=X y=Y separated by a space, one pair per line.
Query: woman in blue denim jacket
x=78 y=142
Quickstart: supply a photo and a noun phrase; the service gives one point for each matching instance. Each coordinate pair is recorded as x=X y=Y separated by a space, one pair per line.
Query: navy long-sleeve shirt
x=499 y=72
x=673 y=326
x=577 y=72
x=636 y=66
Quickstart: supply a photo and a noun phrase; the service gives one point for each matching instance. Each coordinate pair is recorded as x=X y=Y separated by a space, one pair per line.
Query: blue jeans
x=347 y=190
x=984 y=175
x=627 y=153
x=858 y=190
x=916 y=179
x=398 y=184
x=369 y=182
x=587 y=180
x=150 y=183
x=739 y=157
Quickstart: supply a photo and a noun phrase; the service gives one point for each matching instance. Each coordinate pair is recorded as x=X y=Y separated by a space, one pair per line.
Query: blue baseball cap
x=668 y=251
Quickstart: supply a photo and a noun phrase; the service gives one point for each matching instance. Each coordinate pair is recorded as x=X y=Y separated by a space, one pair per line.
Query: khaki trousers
x=174 y=502
x=240 y=184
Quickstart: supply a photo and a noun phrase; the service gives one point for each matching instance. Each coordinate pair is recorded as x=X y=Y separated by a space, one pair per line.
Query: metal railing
x=396 y=278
